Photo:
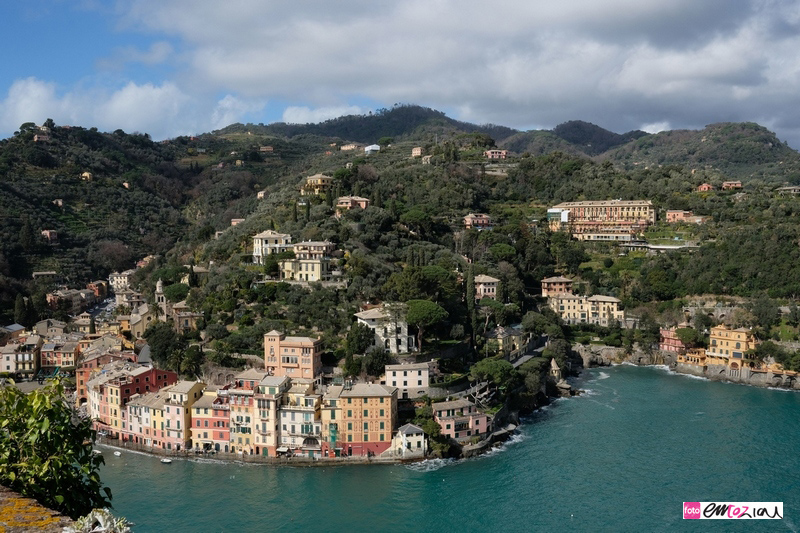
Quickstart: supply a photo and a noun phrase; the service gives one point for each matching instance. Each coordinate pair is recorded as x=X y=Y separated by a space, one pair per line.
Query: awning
x=282 y=449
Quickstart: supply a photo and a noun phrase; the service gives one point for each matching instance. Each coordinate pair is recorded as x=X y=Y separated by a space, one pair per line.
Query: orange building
x=293 y=357
x=367 y=414
x=555 y=286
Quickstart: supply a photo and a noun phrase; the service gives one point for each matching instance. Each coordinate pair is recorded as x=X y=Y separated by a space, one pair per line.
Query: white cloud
x=655 y=127
x=158 y=53
x=160 y=110
x=306 y=115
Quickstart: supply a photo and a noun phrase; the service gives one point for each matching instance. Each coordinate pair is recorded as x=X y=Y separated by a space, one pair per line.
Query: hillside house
x=388 y=323
x=416 y=151
x=705 y=187
x=477 y=221
x=485 y=287
x=730 y=185
x=495 y=154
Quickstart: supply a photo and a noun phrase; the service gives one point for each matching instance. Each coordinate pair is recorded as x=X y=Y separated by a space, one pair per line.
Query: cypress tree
x=294 y=212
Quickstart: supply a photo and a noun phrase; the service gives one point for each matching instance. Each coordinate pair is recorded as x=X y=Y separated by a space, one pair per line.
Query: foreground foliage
x=46 y=453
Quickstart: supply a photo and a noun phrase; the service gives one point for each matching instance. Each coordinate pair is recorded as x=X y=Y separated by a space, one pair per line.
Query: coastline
x=601 y=355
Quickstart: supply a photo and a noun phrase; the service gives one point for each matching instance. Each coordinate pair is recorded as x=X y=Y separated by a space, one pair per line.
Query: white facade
x=120 y=281
x=390 y=327
x=411 y=380
x=269 y=242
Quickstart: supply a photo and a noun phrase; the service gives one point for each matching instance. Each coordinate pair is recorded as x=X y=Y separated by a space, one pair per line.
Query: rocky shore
x=599 y=355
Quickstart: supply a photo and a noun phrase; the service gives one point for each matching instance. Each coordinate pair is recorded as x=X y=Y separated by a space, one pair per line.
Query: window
x=366 y=412
x=381 y=414
x=381 y=427
x=333 y=414
x=349 y=438
x=381 y=436
x=366 y=438
x=349 y=413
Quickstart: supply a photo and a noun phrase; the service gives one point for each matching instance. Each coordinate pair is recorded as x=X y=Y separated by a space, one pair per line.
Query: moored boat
x=166 y=461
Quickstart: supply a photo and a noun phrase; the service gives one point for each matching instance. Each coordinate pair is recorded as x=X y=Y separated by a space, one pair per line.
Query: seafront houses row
x=280 y=409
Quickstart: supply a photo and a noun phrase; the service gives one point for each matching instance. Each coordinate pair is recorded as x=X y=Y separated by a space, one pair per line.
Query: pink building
x=674 y=215
x=293 y=357
x=485 y=287
x=670 y=341
x=496 y=154
x=460 y=419
x=555 y=286
x=730 y=185
x=345 y=203
x=705 y=187
x=477 y=220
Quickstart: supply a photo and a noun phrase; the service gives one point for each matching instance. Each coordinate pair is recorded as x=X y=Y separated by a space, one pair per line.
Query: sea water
x=624 y=456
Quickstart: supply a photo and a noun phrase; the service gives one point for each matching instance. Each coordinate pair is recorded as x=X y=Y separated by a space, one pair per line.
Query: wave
x=604 y=375
x=430 y=465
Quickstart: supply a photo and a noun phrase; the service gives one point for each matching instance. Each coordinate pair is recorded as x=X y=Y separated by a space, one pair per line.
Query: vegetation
x=46 y=452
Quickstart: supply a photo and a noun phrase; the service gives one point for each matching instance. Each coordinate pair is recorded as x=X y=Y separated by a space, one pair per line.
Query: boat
x=117 y=453
x=97 y=452
x=166 y=461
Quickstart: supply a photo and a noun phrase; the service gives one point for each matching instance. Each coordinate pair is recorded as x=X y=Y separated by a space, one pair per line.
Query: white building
x=388 y=322
x=270 y=242
x=409 y=442
x=412 y=380
x=120 y=281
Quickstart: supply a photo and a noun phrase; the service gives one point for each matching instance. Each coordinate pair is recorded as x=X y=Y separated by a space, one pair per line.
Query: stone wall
x=19 y=514
x=745 y=376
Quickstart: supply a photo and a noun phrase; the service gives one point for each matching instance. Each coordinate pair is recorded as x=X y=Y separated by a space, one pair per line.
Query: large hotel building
x=606 y=220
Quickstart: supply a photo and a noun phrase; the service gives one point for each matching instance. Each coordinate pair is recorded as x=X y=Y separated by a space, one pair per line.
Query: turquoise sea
x=622 y=457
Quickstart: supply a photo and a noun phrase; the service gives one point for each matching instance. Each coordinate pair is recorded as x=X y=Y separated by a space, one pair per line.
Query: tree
x=352 y=366
x=164 y=343
x=359 y=338
x=92 y=326
x=192 y=361
x=46 y=451
x=20 y=310
x=689 y=337
x=766 y=312
x=794 y=315
x=376 y=360
x=498 y=371
x=423 y=314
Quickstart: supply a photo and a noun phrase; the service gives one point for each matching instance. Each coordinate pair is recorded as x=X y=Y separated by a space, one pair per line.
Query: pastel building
x=177 y=413
x=670 y=342
x=732 y=346
x=293 y=357
x=311 y=262
x=495 y=154
x=409 y=442
x=477 y=221
x=120 y=281
x=300 y=421
x=368 y=415
x=145 y=416
x=316 y=184
x=389 y=326
x=555 y=286
x=460 y=419
x=412 y=380
x=574 y=309
x=270 y=242
x=242 y=411
x=730 y=185
x=210 y=421
x=485 y=287
x=605 y=220
x=269 y=396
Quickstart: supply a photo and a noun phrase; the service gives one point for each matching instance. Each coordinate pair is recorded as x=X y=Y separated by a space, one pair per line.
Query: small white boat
x=166 y=461
x=117 y=453
x=97 y=452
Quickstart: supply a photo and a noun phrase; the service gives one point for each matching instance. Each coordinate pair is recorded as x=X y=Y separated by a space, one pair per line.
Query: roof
x=604 y=203
x=270 y=233
x=334 y=391
x=601 y=298
x=206 y=401
x=14 y=327
x=409 y=366
x=410 y=429
x=375 y=313
x=273 y=381
x=368 y=390
x=251 y=373
x=183 y=386
x=481 y=278
x=556 y=279
x=455 y=404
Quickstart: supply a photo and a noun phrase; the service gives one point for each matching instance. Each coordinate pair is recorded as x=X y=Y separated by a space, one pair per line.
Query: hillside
x=743 y=151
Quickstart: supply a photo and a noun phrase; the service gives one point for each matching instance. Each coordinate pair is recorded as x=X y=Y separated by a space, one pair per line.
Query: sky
x=176 y=67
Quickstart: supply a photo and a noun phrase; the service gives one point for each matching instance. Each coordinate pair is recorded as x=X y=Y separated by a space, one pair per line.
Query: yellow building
x=574 y=309
x=311 y=262
x=368 y=417
x=730 y=346
x=606 y=220
x=316 y=184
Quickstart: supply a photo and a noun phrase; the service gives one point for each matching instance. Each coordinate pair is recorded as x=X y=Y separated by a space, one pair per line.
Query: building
x=300 y=421
x=670 y=342
x=269 y=396
x=485 y=287
x=730 y=185
x=316 y=184
x=372 y=149
x=110 y=390
x=409 y=442
x=676 y=216
x=732 y=346
x=460 y=419
x=59 y=355
x=426 y=159
x=91 y=364
x=606 y=220
x=265 y=149
x=50 y=235
x=705 y=187
x=555 y=286
x=346 y=203
x=349 y=147
x=120 y=281
x=574 y=309
x=412 y=380
x=210 y=419
x=477 y=221
x=417 y=151
x=261 y=194
x=496 y=154
x=183 y=318
x=20 y=359
x=178 y=413
x=367 y=417
x=508 y=339
x=389 y=325
x=236 y=221
x=293 y=357
x=99 y=288
x=145 y=419
x=243 y=422
x=86 y=176
x=791 y=190
x=311 y=262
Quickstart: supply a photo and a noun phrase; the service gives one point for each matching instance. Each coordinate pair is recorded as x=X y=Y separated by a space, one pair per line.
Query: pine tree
x=470 y=297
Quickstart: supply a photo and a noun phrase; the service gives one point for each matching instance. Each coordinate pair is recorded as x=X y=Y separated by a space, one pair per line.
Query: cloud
x=160 y=110
x=656 y=127
x=616 y=63
x=306 y=115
